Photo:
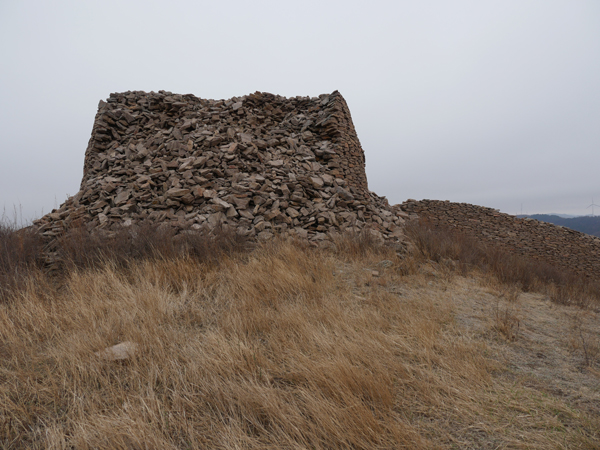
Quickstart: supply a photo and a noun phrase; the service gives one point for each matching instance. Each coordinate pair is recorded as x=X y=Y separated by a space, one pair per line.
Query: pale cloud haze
x=495 y=103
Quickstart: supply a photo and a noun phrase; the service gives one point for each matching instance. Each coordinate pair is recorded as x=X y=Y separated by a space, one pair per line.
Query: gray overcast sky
x=490 y=102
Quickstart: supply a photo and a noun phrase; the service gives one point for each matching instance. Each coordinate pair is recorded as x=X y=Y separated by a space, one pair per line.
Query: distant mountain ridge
x=584 y=224
x=564 y=216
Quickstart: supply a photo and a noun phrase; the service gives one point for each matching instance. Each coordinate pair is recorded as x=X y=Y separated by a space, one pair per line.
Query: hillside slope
x=290 y=346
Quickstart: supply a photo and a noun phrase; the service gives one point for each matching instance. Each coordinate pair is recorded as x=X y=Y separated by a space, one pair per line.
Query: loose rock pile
x=260 y=164
x=559 y=246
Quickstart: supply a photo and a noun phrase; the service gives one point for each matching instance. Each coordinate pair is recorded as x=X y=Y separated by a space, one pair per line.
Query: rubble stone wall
x=559 y=246
x=261 y=164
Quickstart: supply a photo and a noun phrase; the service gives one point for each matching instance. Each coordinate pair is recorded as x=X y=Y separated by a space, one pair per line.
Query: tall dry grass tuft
x=359 y=244
x=80 y=247
x=24 y=253
x=440 y=244
x=20 y=257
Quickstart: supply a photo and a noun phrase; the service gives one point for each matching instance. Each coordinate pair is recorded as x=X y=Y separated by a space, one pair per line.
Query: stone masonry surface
x=559 y=246
x=261 y=164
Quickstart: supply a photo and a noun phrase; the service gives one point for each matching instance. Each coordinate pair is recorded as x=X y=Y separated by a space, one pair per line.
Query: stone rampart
x=559 y=246
x=261 y=164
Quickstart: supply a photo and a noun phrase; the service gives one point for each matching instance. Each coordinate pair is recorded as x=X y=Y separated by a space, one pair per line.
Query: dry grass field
x=286 y=346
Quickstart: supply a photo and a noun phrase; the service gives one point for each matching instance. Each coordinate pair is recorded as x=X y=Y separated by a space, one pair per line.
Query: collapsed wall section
x=542 y=241
x=260 y=164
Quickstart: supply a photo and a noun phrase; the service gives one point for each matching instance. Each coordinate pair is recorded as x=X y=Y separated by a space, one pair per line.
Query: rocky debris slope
x=559 y=246
x=261 y=164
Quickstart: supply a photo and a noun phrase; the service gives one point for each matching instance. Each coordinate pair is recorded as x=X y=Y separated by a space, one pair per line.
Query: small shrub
x=506 y=320
x=583 y=340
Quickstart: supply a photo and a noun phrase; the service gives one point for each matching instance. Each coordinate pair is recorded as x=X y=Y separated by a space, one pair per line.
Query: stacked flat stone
x=541 y=241
x=261 y=164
